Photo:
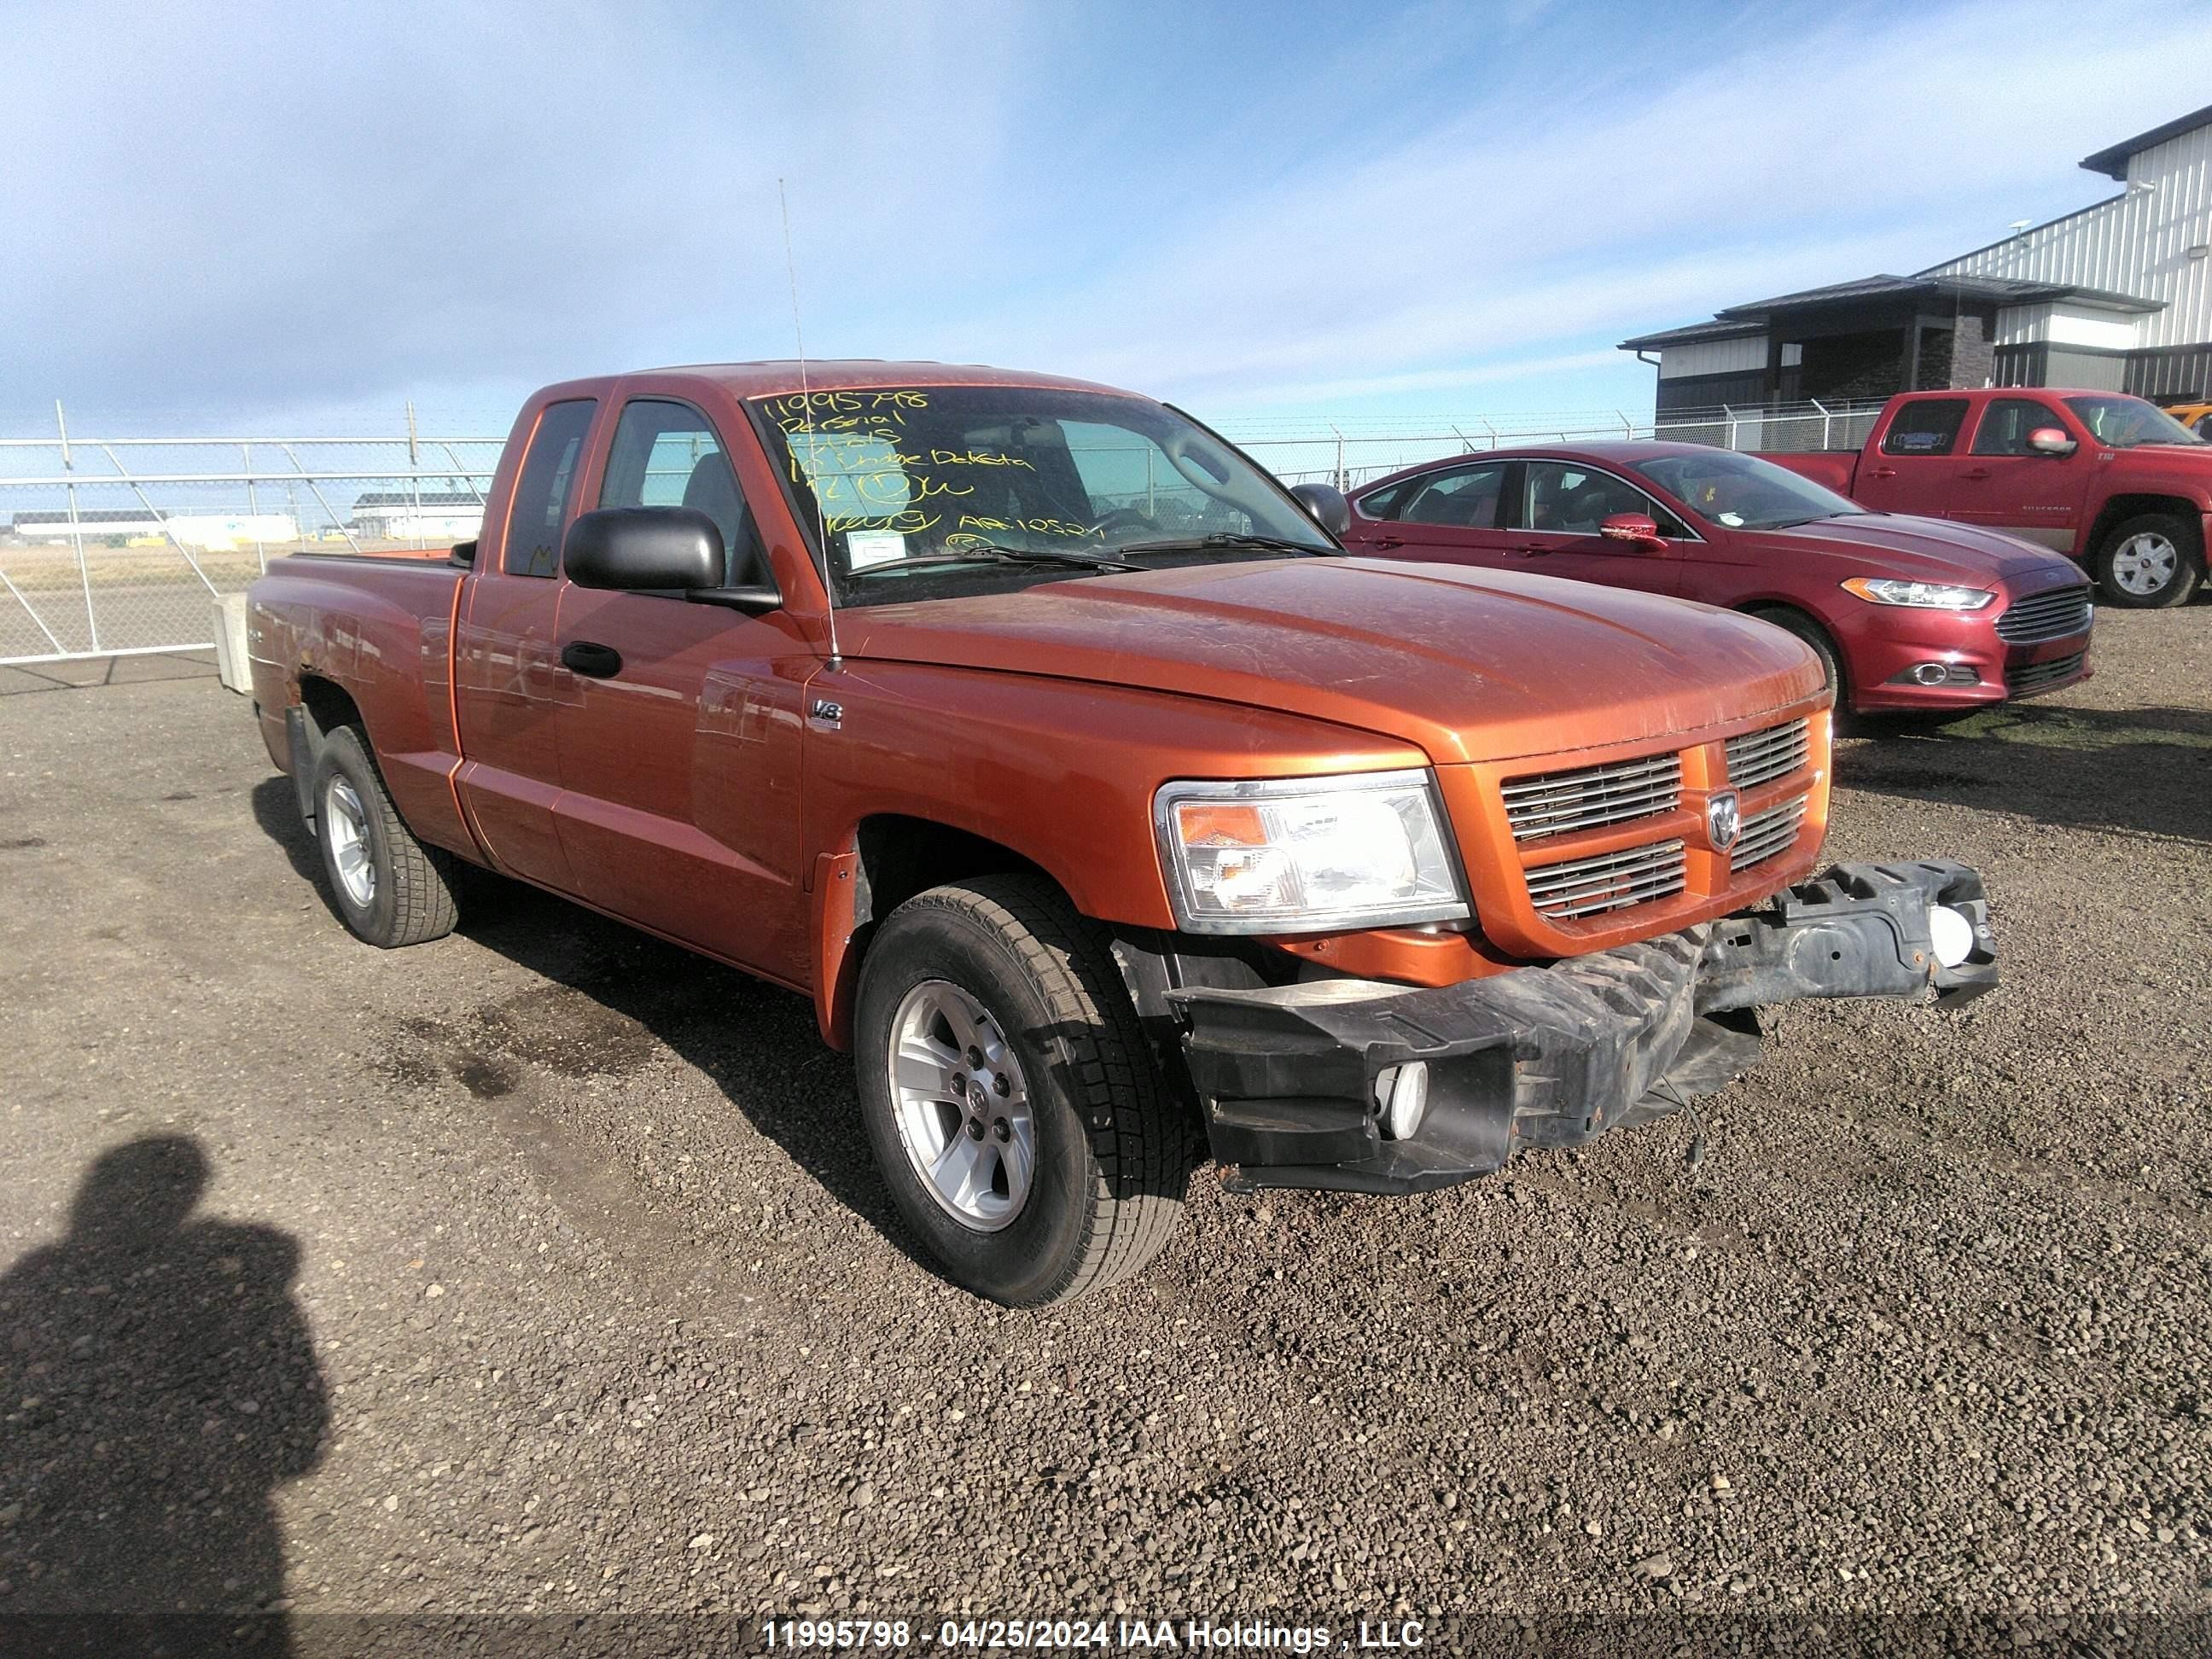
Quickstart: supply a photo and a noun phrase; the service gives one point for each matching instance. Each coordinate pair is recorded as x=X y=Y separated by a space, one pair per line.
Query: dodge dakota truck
x=1109 y=813
x=2113 y=482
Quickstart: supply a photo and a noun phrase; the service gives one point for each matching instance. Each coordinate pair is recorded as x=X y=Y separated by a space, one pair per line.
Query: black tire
x=1113 y=1154
x=410 y=897
x=1815 y=637
x=2185 y=544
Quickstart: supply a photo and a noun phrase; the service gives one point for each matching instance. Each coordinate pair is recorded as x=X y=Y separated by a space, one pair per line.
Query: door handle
x=1883 y=472
x=1534 y=552
x=1389 y=541
x=1976 y=472
x=597 y=662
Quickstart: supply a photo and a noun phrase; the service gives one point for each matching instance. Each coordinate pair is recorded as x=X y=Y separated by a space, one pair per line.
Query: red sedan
x=1905 y=613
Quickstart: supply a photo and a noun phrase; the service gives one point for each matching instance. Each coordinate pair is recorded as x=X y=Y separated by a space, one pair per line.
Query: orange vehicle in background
x=1110 y=812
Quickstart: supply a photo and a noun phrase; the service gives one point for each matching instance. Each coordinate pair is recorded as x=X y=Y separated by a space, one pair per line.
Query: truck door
x=2025 y=492
x=679 y=752
x=1450 y=514
x=1915 y=468
x=1553 y=518
x=508 y=683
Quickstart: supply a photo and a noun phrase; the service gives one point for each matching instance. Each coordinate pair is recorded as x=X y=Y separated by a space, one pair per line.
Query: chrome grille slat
x=2048 y=616
x=1610 y=881
x=1557 y=802
x=1757 y=757
x=1765 y=834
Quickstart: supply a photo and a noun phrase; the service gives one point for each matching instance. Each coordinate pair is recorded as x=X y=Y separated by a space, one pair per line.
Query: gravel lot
x=542 y=1269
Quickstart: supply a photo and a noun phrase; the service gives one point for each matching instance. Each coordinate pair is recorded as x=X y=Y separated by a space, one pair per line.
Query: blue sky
x=287 y=213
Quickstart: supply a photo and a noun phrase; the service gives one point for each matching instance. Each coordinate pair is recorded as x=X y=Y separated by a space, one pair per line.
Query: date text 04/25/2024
x=1202 y=1634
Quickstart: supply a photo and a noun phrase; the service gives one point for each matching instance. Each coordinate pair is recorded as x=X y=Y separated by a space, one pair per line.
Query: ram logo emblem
x=1723 y=820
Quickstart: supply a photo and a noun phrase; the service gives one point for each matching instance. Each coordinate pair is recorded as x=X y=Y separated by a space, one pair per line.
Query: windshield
x=2124 y=423
x=925 y=491
x=1742 y=491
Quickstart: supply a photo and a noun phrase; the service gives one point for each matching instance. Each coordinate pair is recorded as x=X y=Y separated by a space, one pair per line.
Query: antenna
x=806 y=403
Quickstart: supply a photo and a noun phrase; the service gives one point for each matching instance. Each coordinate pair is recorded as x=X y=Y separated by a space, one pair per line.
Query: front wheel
x=2150 y=562
x=1010 y=1097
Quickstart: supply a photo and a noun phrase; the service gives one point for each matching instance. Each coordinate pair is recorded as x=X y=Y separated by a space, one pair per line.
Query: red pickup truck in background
x=2111 y=480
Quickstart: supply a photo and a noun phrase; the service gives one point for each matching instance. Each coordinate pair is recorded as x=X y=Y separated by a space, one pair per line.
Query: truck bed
x=1837 y=469
x=381 y=626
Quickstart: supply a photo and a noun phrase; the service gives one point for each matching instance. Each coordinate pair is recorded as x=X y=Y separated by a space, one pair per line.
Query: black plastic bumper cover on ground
x=1552 y=1056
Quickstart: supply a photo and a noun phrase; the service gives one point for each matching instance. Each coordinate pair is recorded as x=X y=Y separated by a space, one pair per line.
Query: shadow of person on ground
x=2145 y=771
x=157 y=1381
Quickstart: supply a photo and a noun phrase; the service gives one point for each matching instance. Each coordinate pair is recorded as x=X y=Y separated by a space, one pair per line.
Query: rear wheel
x=1010 y=1097
x=389 y=888
x=2150 y=562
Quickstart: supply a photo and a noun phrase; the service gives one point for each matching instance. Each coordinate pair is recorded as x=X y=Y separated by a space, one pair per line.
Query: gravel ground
x=542 y=1269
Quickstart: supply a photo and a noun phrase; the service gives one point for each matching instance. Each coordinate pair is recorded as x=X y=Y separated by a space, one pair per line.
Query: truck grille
x=2051 y=615
x=1757 y=757
x=2037 y=675
x=1558 y=802
x=1765 y=834
x=1584 y=887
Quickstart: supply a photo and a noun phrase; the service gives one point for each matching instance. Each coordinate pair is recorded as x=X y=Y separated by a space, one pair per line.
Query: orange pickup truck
x=1109 y=813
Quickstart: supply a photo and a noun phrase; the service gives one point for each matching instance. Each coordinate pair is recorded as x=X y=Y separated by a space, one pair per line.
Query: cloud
x=285 y=206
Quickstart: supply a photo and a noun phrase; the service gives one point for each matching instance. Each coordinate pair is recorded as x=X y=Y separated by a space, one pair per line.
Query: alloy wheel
x=961 y=1106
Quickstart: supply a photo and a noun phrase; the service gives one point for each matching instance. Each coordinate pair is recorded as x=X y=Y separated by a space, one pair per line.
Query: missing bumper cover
x=1552 y=1056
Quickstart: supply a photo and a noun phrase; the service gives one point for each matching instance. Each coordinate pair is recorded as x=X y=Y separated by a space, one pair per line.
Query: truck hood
x=1467 y=665
x=1926 y=549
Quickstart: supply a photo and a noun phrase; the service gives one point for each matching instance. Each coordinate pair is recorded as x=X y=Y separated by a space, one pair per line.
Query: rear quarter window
x=1928 y=427
x=543 y=492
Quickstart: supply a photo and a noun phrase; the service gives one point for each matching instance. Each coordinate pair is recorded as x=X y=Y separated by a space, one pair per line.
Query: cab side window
x=541 y=494
x=1576 y=500
x=1930 y=427
x=1464 y=498
x=667 y=454
x=2007 y=421
x=1383 y=503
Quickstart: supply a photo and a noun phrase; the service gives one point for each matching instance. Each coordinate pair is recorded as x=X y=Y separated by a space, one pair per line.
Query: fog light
x=1951 y=933
x=1401 y=1094
x=1936 y=673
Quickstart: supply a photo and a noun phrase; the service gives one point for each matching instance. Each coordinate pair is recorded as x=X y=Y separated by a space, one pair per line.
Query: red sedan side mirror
x=2049 y=440
x=1637 y=529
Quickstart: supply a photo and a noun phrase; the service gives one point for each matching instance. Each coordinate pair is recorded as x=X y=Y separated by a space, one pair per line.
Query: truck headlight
x=1307 y=855
x=1922 y=596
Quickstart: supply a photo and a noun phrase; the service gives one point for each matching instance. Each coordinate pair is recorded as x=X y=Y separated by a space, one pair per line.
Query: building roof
x=1692 y=335
x=409 y=500
x=1997 y=290
x=2113 y=163
x=1741 y=322
x=93 y=515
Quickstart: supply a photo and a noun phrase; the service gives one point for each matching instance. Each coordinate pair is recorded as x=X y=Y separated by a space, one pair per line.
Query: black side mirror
x=1326 y=505
x=651 y=548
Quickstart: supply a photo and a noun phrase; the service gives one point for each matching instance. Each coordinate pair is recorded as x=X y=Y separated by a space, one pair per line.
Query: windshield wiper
x=972 y=552
x=1224 y=538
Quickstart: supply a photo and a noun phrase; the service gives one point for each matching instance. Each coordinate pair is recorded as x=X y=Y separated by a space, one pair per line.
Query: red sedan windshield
x=1743 y=492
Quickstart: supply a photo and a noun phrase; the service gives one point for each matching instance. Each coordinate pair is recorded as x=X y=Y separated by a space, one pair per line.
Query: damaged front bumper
x=1297 y=1080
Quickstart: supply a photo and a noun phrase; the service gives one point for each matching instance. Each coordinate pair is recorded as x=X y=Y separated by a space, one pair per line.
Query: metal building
x=2115 y=296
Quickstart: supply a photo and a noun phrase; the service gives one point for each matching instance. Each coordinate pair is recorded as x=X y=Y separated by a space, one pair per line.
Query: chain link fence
x=116 y=546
